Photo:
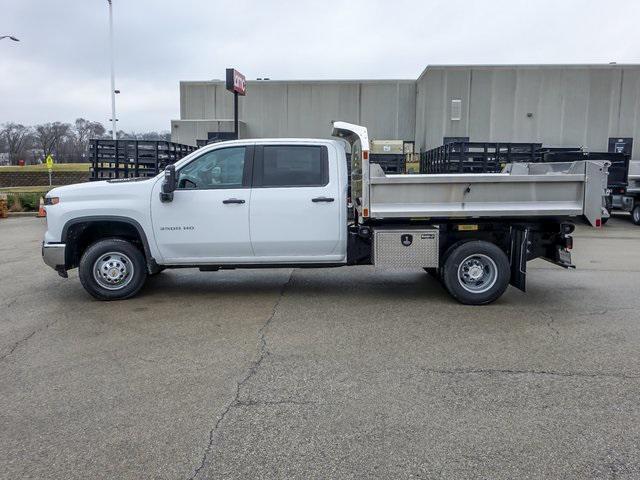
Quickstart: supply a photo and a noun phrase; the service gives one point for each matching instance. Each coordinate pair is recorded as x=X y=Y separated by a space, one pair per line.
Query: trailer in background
x=391 y=155
x=618 y=178
x=491 y=157
x=628 y=199
x=133 y=158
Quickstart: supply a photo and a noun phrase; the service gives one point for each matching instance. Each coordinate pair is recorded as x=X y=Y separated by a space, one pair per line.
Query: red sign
x=236 y=82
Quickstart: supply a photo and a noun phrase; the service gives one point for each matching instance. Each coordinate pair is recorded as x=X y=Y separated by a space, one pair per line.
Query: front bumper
x=53 y=254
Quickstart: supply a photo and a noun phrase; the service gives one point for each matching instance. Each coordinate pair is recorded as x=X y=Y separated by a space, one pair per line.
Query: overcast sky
x=60 y=68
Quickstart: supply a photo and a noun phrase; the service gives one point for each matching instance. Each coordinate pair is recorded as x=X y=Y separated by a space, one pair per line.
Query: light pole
x=10 y=37
x=113 y=74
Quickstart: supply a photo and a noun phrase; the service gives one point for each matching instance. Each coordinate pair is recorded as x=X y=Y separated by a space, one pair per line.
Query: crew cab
x=292 y=203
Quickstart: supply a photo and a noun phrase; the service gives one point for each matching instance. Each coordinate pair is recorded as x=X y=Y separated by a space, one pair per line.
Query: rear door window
x=293 y=166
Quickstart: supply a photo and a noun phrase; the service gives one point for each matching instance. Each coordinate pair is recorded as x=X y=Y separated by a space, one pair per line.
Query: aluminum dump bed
x=522 y=190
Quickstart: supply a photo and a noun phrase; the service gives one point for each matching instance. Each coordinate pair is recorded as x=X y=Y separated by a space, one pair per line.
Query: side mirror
x=169 y=184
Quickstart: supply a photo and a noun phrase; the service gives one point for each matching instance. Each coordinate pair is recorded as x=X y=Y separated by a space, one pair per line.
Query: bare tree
x=16 y=138
x=153 y=135
x=48 y=136
x=83 y=130
x=68 y=143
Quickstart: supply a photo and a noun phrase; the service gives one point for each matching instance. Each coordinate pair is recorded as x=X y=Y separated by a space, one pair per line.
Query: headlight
x=51 y=200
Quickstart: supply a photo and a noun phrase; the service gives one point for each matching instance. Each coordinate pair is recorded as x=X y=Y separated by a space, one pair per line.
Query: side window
x=294 y=166
x=222 y=168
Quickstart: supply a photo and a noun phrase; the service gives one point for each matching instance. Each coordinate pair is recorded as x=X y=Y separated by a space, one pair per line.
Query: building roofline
x=208 y=120
x=308 y=81
x=479 y=66
x=506 y=66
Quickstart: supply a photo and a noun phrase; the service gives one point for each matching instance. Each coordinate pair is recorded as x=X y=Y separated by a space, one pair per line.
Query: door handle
x=322 y=199
x=232 y=200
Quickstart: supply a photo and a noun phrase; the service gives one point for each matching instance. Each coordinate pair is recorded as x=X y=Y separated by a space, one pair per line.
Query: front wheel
x=112 y=269
x=476 y=273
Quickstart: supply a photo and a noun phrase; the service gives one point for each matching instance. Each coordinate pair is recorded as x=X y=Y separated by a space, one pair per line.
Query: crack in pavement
x=488 y=371
x=253 y=368
x=9 y=304
x=15 y=346
x=260 y=403
x=606 y=311
x=550 y=322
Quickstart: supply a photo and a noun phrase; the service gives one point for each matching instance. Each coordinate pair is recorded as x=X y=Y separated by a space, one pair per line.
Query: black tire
x=445 y=255
x=635 y=214
x=126 y=256
x=433 y=272
x=496 y=271
x=604 y=220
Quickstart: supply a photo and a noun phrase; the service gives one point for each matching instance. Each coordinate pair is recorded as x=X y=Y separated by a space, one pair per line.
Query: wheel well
x=80 y=235
x=499 y=237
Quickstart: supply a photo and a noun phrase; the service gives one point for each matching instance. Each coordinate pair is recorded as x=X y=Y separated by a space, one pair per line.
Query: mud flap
x=518 y=260
x=561 y=257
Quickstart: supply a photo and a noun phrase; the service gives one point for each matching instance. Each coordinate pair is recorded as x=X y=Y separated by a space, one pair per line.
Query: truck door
x=297 y=208
x=208 y=219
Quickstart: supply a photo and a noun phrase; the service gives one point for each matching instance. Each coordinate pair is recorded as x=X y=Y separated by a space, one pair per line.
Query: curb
x=22 y=214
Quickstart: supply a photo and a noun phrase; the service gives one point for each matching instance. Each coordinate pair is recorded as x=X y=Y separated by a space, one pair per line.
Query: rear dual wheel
x=476 y=273
x=635 y=214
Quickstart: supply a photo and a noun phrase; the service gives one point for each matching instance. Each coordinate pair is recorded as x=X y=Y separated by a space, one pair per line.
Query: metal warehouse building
x=557 y=105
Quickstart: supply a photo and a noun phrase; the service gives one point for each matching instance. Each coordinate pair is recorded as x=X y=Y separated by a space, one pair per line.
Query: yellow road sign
x=49 y=161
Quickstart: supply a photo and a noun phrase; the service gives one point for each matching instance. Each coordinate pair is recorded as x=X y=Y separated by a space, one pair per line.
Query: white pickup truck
x=292 y=203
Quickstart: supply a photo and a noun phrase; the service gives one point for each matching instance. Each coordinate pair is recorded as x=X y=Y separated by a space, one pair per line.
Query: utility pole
x=113 y=74
x=236 y=127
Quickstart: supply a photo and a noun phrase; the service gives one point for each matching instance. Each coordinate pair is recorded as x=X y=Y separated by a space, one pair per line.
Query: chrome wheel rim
x=113 y=270
x=636 y=215
x=477 y=273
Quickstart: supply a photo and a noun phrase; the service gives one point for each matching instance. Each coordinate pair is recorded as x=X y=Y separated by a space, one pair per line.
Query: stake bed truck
x=291 y=203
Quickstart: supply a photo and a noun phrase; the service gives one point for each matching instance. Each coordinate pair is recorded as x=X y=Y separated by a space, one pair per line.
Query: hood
x=106 y=189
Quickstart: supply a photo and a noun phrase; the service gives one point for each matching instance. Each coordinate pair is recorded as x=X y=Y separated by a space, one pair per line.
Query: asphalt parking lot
x=336 y=373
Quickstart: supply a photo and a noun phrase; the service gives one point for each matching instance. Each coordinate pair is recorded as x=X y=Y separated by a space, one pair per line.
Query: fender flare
x=152 y=265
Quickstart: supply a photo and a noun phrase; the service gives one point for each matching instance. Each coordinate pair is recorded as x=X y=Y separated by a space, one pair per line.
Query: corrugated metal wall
x=568 y=105
x=187 y=131
x=306 y=108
